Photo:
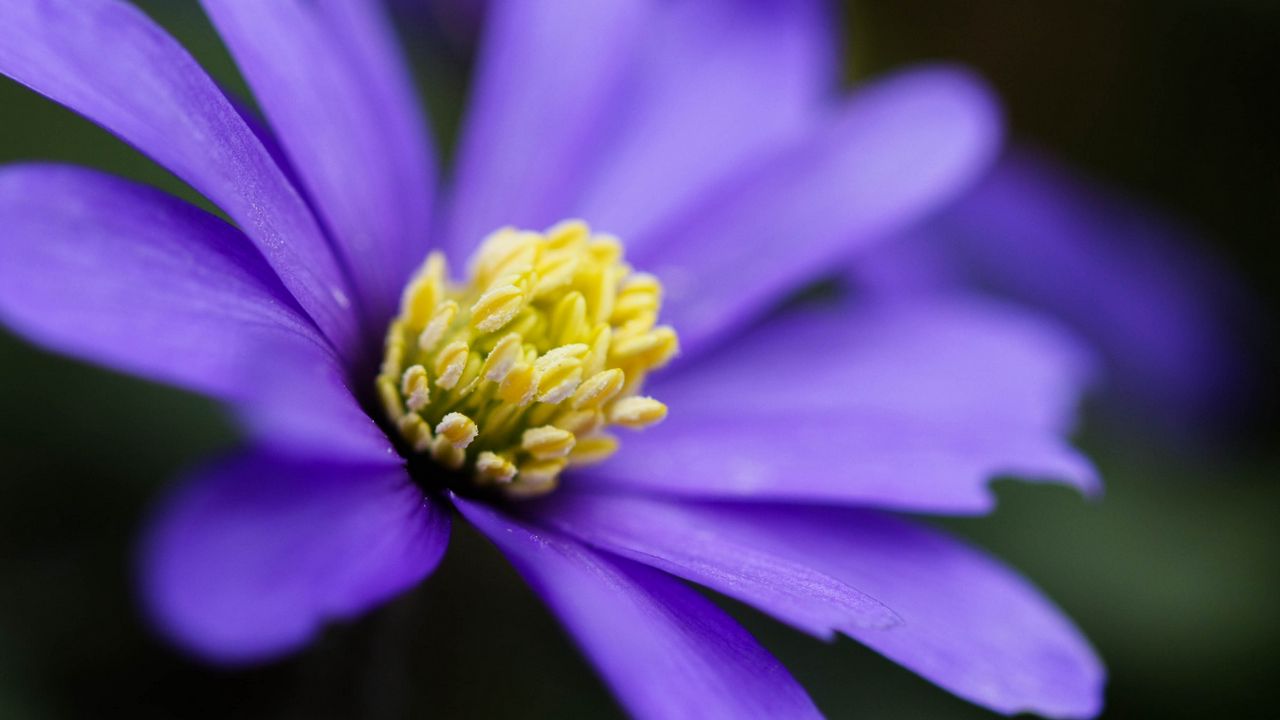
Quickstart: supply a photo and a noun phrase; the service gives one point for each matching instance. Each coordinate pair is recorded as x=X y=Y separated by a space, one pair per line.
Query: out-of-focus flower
x=703 y=133
x=1164 y=315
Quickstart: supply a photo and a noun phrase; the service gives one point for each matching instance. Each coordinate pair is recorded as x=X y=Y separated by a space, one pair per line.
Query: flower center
x=519 y=372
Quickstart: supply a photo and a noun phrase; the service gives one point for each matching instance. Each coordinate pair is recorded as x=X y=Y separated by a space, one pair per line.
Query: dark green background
x=1173 y=576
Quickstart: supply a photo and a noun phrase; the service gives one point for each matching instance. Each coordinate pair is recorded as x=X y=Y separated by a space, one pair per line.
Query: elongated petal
x=251 y=557
x=715 y=83
x=125 y=276
x=666 y=651
x=663 y=534
x=968 y=623
x=548 y=72
x=898 y=150
x=1121 y=275
x=847 y=458
x=107 y=61
x=330 y=78
x=948 y=359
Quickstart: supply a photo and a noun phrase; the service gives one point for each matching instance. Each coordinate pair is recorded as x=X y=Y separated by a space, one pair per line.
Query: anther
x=579 y=422
x=515 y=374
x=416 y=388
x=497 y=307
x=536 y=477
x=450 y=363
x=654 y=348
x=437 y=326
x=559 y=372
x=425 y=291
x=569 y=318
x=502 y=358
x=636 y=412
x=458 y=429
x=592 y=450
x=547 y=442
x=519 y=385
x=445 y=453
x=598 y=389
x=390 y=398
x=493 y=468
x=416 y=431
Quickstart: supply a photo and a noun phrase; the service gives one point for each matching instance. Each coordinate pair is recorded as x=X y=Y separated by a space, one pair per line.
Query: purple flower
x=705 y=134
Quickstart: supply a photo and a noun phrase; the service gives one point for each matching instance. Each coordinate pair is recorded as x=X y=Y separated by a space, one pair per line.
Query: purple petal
x=251 y=557
x=545 y=85
x=1123 y=277
x=330 y=78
x=666 y=651
x=913 y=263
x=897 y=151
x=124 y=275
x=844 y=457
x=672 y=537
x=968 y=623
x=912 y=407
x=715 y=83
x=956 y=359
x=128 y=277
x=301 y=404
x=106 y=60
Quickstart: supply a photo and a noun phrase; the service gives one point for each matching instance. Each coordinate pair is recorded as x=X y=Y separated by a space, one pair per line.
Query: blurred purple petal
x=918 y=262
x=125 y=276
x=954 y=359
x=673 y=537
x=330 y=78
x=106 y=60
x=715 y=82
x=967 y=623
x=849 y=457
x=1125 y=278
x=545 y=85
x=665 y=650
x=252 y=556
x=899 y=149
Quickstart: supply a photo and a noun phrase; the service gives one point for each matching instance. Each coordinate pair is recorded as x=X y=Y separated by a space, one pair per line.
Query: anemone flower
x=383 y=394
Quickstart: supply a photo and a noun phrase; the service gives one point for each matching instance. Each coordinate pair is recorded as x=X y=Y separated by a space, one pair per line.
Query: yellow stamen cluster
x=517 y=373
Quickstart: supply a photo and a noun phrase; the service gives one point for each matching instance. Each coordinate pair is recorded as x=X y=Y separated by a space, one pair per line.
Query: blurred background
x=1174 y=576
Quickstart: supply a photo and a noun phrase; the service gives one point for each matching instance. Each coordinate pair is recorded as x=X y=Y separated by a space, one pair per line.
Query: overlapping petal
x=954 y=358
x=672 y=536
x=302 y=404
x=897 y=150
x=339 y=97
x=967 y=623
x=908 y=406
x=1124 y=277
x=844 y=458
x=547 y=75
x=250 y=557
x=666 y=651
x=713 y=84
x=106 y=60
x=126 y=276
